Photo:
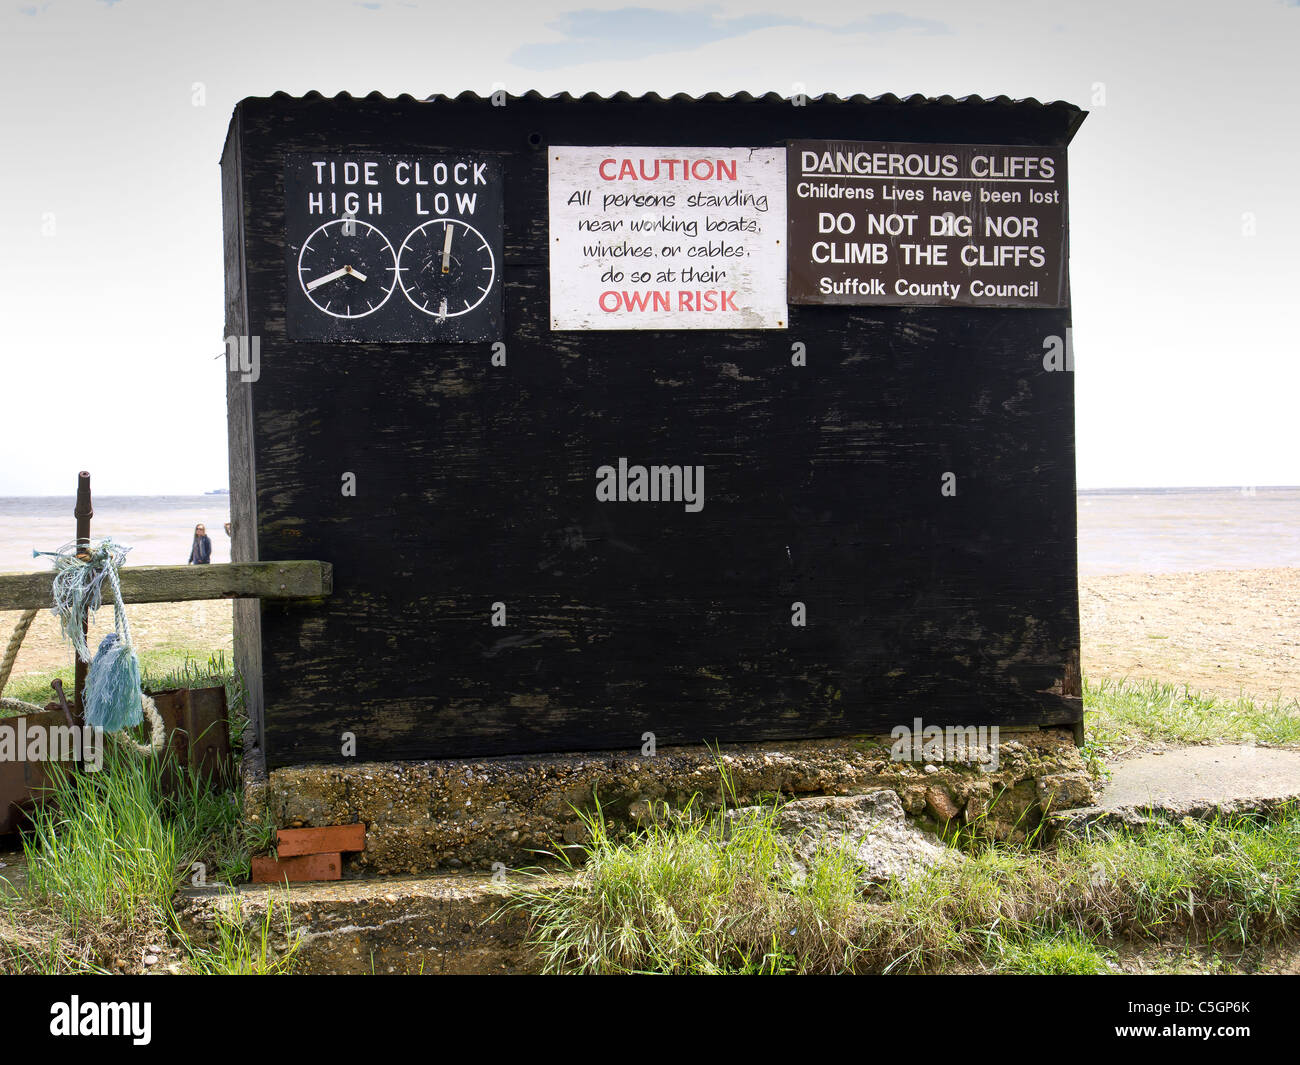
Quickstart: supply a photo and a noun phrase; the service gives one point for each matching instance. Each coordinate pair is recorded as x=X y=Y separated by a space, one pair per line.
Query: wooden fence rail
x=174 y=584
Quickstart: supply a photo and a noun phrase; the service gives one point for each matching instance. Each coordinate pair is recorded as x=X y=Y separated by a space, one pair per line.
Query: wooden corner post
x=83 y=512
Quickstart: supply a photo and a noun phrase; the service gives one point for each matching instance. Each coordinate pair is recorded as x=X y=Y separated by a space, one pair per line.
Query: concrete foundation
x=454 y=923
x=503 y=813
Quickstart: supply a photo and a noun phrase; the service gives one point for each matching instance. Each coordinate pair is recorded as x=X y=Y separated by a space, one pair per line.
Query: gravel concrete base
x=453 y=923
x=425 y=816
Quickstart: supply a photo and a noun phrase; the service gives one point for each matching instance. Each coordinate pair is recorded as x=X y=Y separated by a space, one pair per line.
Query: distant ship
x=218 y=492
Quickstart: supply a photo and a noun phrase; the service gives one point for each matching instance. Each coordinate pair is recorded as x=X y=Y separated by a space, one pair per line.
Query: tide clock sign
x=393 y=248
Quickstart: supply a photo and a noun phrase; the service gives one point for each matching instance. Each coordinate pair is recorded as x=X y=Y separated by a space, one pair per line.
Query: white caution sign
x=667 y=238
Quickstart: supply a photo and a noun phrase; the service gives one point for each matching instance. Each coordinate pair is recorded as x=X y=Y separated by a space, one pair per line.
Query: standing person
x=201 y=552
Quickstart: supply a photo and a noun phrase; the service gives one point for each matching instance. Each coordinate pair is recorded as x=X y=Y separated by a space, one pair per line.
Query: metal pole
x=83 y=512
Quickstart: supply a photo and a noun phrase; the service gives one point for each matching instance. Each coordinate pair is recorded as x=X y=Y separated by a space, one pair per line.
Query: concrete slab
x=1220 y=780
x=447 y=923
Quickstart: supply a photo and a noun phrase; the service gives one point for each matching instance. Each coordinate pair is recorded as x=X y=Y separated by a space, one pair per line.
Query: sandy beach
x=1230 y=632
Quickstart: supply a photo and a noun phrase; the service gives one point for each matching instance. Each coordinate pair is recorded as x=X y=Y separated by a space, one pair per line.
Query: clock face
x=347 y=268
x=446 y=267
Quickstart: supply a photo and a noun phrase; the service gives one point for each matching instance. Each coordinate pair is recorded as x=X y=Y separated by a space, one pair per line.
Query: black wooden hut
x=908 y=479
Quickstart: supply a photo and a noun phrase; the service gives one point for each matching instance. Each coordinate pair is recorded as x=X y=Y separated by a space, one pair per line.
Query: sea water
x=1147 y=530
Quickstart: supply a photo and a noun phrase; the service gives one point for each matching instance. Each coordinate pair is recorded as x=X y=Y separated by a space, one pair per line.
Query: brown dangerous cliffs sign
x=932 y=225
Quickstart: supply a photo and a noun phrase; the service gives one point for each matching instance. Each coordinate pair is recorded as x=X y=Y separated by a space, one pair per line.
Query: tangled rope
x=113 y=682
x=157 y=730
x=79 y=588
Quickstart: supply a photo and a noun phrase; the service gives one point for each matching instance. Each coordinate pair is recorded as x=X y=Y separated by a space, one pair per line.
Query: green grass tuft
x=1121 y=714
x=697 y=895
x=100 y=847
x=1063 y=954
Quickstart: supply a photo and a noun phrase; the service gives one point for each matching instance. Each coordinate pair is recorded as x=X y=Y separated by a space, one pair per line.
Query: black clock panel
x=393 y=248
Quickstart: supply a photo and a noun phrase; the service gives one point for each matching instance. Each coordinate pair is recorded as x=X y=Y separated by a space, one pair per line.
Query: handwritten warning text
x=667 y=238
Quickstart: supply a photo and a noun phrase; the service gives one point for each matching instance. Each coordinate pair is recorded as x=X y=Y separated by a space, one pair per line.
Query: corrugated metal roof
x=888 y=99
x=1069 y=115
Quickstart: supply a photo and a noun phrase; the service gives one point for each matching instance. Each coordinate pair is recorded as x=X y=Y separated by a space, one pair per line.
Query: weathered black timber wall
x=477 y=484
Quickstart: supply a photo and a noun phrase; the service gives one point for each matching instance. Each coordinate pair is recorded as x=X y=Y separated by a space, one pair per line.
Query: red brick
x=300 y=868
x=327 y=840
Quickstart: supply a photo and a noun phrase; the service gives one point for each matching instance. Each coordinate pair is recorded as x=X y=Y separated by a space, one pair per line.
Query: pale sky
x=1185 y=226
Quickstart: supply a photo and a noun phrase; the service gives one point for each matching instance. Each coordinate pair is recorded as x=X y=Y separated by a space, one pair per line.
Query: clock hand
x=312 y=285
x=342 y=271
x=446 y=251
